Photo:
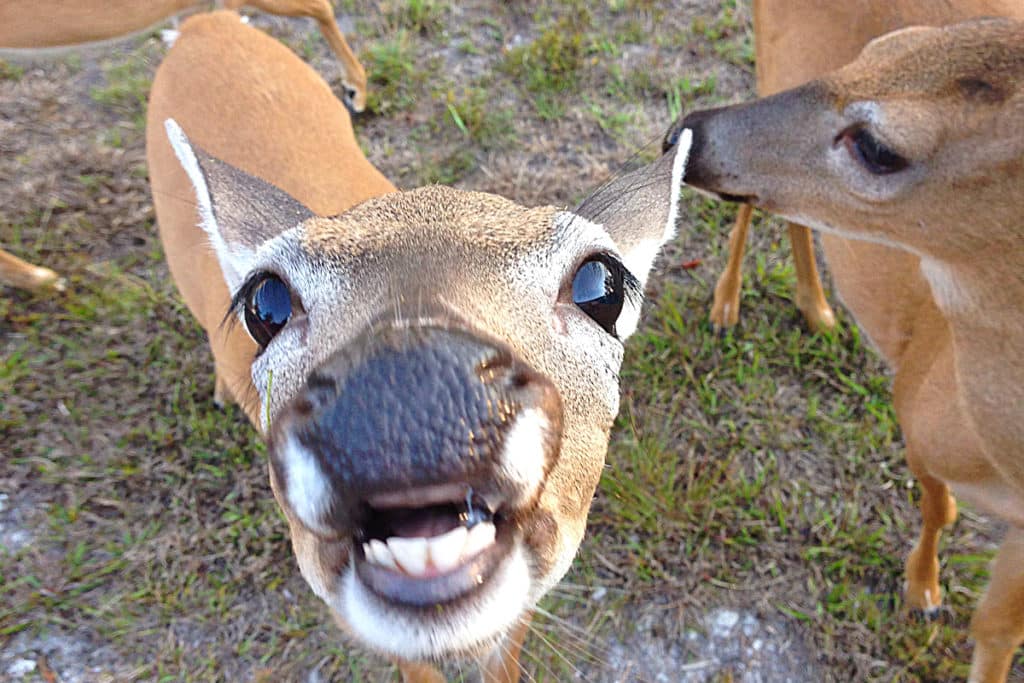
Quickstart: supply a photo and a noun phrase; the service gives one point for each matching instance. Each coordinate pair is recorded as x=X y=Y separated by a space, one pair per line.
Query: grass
x=10 y=72
x=548 y=66
x=126 y=88
x=760 y=470
x=392 y=74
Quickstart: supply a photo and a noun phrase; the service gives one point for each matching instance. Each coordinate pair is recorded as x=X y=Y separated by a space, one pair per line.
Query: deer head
x=437 y=374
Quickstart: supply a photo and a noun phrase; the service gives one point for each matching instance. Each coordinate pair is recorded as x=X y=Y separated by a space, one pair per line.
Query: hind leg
x=998 y=624
x=810 y=297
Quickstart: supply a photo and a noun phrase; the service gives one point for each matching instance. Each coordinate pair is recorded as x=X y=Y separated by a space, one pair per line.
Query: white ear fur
x=678 y=172
x=234 y=262
x=639 y=257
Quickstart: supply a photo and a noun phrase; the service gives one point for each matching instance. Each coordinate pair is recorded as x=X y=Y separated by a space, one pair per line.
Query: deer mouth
x=430 y=546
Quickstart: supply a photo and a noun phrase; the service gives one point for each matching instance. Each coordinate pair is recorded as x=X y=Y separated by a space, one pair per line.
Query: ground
x=756 y=508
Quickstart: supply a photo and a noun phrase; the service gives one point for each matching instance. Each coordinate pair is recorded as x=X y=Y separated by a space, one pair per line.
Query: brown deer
x=911 y=159
x=435 y=371
x=795 y=41
x=52 y=23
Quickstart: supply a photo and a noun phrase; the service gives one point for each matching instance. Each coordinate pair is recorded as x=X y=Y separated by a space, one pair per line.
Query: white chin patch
x=522 y=455
x=473 y=623
x=306 y=487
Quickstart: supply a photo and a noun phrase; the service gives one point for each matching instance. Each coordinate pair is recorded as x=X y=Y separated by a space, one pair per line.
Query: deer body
x=435 y=371
x=33 y=24
x=911 y=162
x=56 y=23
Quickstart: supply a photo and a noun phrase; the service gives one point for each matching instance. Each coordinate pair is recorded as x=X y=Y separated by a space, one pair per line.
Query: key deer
x=911 y=161
x=435 y=371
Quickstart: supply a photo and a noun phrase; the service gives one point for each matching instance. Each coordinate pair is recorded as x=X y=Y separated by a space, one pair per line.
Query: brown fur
x=316 y=132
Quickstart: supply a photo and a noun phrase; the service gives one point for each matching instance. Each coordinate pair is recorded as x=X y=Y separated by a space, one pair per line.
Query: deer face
x=922 y=113
x=438 y=374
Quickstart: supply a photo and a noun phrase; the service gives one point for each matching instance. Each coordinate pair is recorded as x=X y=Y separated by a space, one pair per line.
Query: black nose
x=410 y=407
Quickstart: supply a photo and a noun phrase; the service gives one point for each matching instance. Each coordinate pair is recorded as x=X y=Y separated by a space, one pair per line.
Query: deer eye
x=268 y=307
x=599 y=289
x=872 y=154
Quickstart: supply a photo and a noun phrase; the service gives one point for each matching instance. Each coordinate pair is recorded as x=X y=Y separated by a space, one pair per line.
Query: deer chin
x=469 y=625
x=393 y=597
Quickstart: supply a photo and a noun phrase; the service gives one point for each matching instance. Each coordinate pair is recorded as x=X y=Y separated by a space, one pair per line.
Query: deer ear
x=639 y=209
x=238 y=211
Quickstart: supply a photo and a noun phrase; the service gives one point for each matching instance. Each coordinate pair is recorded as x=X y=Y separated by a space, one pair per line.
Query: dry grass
x=761 y=470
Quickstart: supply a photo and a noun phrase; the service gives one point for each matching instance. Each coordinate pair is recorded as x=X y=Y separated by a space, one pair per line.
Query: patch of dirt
x=724 y=641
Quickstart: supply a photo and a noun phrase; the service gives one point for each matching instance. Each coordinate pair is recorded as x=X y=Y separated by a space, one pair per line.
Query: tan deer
x=55 y=23
x=52 y=23
x=795 y=41
x=435 y=371
x=916 y=148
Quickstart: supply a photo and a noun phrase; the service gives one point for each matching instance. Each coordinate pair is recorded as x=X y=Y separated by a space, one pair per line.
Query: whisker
x=533 y=629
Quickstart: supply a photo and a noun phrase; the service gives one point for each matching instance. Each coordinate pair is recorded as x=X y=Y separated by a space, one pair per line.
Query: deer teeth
x=425 y=556
x=380 y=554
x=410 y=554
x=481 y=536
x=446 y=549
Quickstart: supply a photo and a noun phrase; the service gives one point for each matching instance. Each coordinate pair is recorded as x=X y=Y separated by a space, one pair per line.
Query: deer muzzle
x=424 y=446
x=740 y=152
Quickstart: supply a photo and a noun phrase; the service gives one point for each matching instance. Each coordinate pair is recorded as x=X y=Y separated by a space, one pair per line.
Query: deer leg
x=416 y=672
x=222 y=396
x=810 y=298
x=998 y=624
x=938 y=509
x=23 y=275
x=725 y=309
x=354 y=76
x=502 y=666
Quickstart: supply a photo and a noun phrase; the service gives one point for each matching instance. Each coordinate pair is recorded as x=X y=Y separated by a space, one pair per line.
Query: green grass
x=126 y=88
x=392 y=75
x=425 y=17
x=760 y=469
x=10 y=72
x=548 y=67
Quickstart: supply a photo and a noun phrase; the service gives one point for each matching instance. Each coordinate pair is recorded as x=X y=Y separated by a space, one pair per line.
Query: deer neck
x=982 y=297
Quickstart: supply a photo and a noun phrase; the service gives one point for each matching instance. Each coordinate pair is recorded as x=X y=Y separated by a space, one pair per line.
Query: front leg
x=938 y=510
x=725 y=308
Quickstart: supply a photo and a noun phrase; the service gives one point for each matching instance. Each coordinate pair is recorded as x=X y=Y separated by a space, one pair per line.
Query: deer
x=35 y=24
x=795 y=41
x=435 y=371
x=57 y=23
x=911 y=161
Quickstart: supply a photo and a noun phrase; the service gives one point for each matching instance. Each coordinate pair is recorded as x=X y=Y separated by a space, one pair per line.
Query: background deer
x=917 y=147
x=435 y=371
x=52 y=23
x=795 y=41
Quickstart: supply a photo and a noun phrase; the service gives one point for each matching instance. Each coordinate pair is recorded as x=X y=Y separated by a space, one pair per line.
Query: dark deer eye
x=268 y=307
x=599 y=289
x=872 y=154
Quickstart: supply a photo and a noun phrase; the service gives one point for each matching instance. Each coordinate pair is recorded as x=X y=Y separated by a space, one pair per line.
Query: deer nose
x=414 y=408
